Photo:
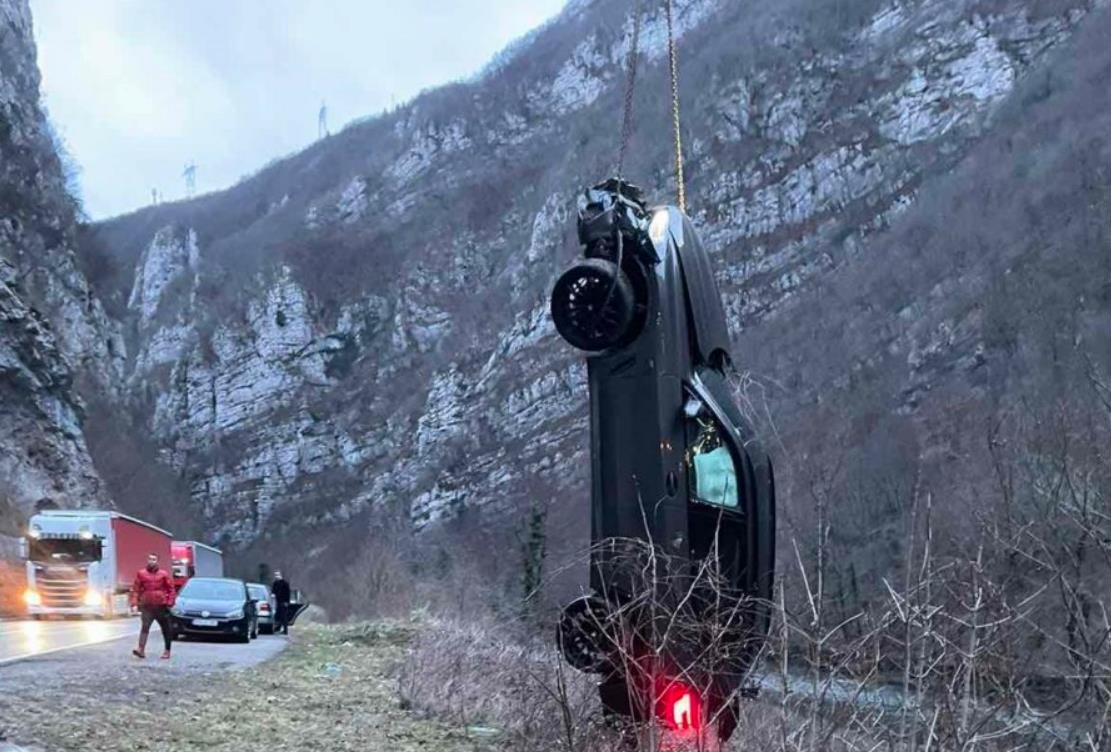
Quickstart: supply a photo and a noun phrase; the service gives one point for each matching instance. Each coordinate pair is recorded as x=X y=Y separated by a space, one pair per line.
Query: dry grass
x=333 y=689
x=476 y=673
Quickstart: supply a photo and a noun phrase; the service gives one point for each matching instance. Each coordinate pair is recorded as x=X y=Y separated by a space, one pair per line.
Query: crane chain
x=631 y=62
x=673 y=64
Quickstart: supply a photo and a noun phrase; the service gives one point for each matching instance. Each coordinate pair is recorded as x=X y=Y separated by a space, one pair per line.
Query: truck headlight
x=92 y=598
x=31 y=597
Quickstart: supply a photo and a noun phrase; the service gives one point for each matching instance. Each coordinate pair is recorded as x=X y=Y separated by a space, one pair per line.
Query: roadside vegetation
x=334 y=688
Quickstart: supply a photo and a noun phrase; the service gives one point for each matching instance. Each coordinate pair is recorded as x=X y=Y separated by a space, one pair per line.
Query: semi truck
x=195 y=559
x=82 y=562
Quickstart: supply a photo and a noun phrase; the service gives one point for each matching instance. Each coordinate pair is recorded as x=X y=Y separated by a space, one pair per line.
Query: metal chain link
x=673 y=62
x=631 y=61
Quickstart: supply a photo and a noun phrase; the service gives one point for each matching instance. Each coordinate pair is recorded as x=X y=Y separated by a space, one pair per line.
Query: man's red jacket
x=152 y=589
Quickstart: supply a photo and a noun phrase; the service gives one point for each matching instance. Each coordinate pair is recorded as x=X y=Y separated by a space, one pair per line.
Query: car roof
x=216 y=579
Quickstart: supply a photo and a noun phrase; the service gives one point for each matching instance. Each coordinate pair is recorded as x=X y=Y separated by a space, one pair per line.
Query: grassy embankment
x=333 y=689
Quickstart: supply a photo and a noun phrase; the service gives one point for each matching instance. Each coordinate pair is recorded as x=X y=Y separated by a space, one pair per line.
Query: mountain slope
x=54 y=332
x=365 y=322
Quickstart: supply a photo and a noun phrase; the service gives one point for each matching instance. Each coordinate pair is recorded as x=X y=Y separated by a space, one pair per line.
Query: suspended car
x=680 y=485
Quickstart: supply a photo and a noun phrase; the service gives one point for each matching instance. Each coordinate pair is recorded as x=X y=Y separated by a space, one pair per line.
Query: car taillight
x=680 y=708
x=263 y=607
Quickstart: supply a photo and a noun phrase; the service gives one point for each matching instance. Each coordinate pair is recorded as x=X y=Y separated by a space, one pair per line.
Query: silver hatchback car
x=264 y=605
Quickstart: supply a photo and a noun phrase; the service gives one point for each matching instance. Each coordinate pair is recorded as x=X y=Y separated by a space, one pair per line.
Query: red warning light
x=681 y=712
x=680 y=708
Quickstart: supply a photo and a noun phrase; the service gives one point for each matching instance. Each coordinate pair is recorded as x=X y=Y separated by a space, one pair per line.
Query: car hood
x=217 y=608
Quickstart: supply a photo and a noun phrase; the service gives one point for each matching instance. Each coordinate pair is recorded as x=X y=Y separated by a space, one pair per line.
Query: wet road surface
x=20 y=640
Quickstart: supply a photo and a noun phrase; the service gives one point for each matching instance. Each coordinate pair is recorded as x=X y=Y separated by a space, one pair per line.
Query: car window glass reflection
x=712 y=472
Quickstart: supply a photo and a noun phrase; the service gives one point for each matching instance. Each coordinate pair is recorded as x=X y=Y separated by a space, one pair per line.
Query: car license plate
x=205 y=622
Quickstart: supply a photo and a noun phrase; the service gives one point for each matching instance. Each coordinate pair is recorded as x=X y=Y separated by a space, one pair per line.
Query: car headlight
x=237 y=614
x=92 y=598
x=31 y=597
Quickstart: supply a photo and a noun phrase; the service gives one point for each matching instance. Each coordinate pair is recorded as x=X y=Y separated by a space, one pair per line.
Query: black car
x=676 y=470
x=215 y=606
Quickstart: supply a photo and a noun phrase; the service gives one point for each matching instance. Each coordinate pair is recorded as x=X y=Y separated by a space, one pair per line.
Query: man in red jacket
x=153 y=594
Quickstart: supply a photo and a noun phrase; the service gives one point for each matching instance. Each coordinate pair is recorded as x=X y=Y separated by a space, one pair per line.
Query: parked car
x=265 y=605
x=215 y=606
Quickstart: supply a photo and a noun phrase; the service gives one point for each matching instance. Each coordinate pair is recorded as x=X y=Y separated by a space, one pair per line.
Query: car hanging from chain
x=682 y=490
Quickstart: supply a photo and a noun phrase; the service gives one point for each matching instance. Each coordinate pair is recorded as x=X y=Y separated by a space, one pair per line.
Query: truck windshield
x=183 y=568
x=63 y=550
x=216 y=590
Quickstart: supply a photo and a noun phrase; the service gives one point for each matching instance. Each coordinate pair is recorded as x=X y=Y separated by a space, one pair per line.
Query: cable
x=673 y=64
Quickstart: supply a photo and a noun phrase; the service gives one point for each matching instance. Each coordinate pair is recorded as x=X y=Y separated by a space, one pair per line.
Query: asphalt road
x=88 y=664
x=27 y=644
x=26 y=639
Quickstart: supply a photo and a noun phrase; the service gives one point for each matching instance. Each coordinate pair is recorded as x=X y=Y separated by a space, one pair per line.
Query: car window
x=258 y=592
x=711 y=469
x=220 y=590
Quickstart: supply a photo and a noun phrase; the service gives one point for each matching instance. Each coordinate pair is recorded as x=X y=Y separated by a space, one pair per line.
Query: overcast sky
x=139 y=88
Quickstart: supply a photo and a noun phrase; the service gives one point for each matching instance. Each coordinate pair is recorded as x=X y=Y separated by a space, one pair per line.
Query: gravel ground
x=334 y=688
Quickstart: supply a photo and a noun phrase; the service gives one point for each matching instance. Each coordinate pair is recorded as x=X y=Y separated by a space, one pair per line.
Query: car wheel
x=581 y=634
x=593 y=305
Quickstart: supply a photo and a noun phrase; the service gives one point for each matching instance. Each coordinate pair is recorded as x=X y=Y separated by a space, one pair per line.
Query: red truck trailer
x=195 y=559
x=82 y=562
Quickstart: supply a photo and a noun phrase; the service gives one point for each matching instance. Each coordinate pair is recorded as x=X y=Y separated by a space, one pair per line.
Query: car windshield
x=258 y=592
x=213 y=590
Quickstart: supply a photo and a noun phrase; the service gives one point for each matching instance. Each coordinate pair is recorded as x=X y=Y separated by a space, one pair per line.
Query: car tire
x=593 y=305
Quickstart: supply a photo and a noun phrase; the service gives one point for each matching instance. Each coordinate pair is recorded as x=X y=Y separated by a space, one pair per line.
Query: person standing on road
x=153 y=594
x=281 y=592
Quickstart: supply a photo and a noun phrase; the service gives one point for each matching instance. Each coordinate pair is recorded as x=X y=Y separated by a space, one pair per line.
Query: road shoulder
x=334 y=688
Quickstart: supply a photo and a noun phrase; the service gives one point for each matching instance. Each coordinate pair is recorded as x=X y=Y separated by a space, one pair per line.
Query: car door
x=297 y=604
x=747 y=527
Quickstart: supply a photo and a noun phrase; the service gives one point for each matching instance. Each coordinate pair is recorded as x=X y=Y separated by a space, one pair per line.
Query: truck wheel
x=593 y=305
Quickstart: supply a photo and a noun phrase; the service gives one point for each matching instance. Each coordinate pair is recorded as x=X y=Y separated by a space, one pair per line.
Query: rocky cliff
x=887 y=188
x=53 y=331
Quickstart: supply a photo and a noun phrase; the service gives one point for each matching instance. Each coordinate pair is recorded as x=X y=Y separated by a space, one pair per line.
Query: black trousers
x=282 y=618
x=160 y=614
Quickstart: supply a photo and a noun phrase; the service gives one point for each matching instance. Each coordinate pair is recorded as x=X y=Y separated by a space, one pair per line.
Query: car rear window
x=258 y=592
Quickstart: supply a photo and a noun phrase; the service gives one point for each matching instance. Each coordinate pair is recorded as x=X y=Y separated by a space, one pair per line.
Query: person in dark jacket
x=281 y=592
x=153 y=594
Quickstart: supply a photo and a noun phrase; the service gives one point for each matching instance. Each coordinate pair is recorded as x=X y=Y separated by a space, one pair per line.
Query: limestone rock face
x=53 y=330
x=365 y=323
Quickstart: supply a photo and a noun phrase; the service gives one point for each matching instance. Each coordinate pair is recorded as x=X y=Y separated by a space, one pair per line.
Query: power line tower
x=190 y=175
x=322 y=121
